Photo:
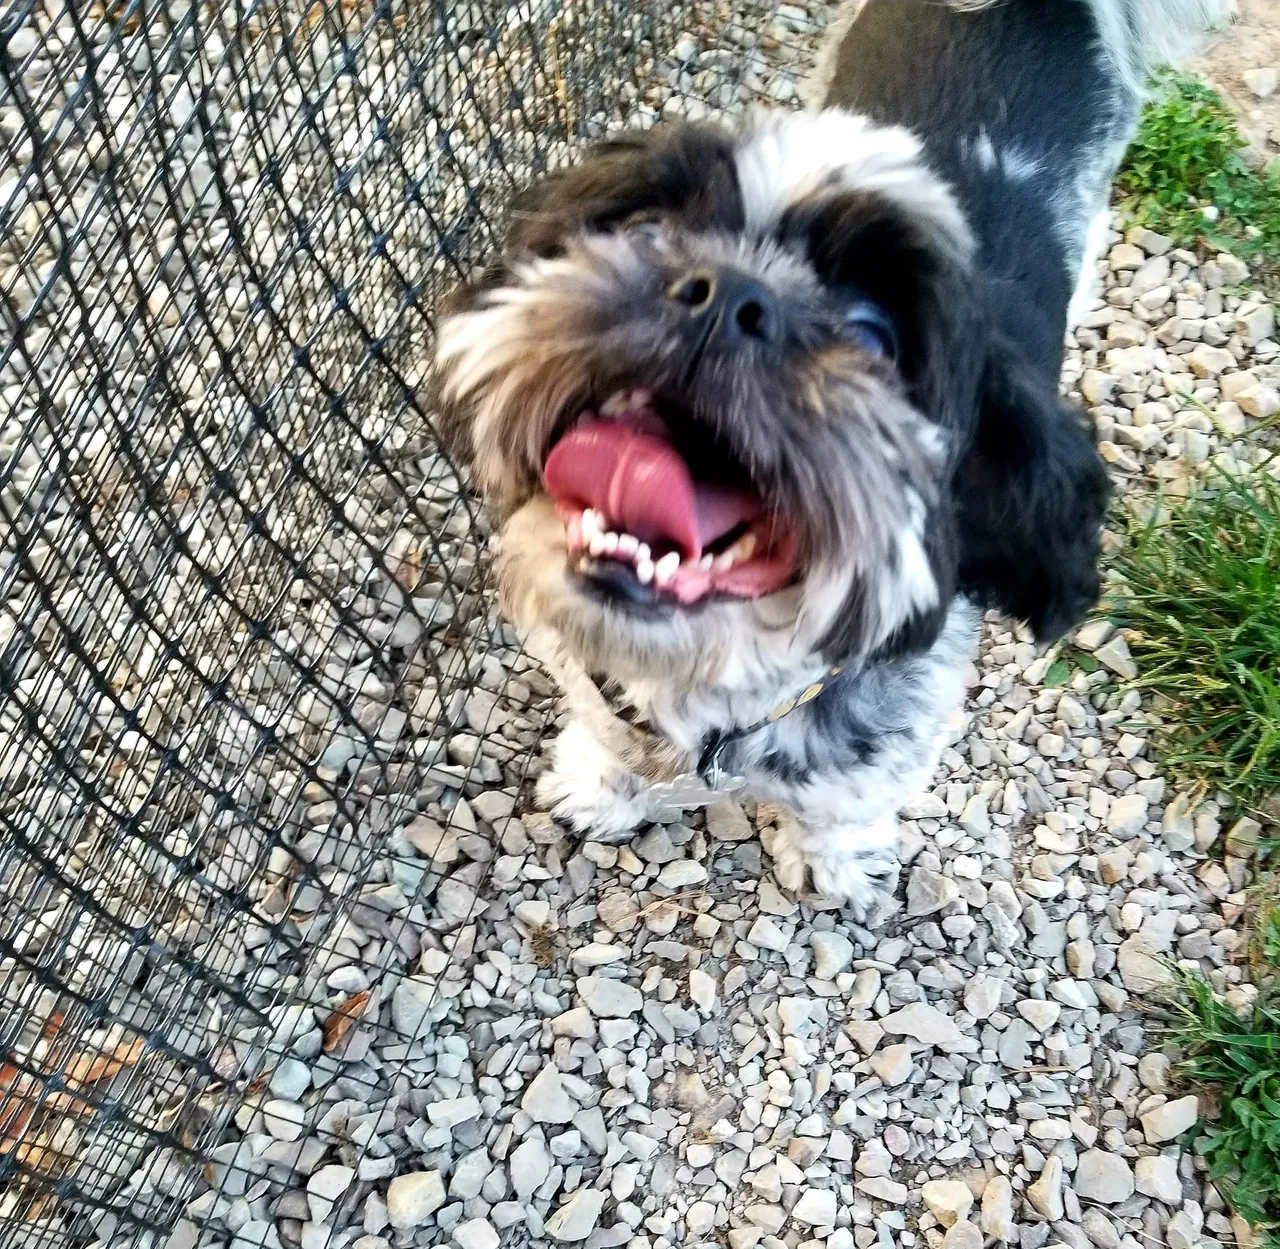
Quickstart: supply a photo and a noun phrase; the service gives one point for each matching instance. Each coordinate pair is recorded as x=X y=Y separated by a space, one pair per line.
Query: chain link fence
x=265 y=747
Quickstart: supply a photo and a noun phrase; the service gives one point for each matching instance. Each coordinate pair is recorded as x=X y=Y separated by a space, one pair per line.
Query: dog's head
x=738 y=398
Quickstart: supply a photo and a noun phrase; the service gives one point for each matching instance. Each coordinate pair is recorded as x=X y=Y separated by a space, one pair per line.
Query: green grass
x=1237 y=1061
x=1188 y=155
x=1202 y=591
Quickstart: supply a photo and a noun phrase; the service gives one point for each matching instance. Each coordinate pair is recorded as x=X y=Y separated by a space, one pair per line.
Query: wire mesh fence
x=265 y=746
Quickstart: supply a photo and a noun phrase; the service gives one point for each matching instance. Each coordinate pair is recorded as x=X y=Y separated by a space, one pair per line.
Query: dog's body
x=766 y=418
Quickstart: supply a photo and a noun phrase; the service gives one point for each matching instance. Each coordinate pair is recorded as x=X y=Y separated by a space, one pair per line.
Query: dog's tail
x=1143 y=35
x=1139 y=35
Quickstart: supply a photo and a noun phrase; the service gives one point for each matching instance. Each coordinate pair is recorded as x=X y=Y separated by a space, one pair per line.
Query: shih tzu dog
x=767 y=417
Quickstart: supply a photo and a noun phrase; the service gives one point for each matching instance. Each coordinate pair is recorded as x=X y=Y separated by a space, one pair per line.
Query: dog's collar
x=710 y=771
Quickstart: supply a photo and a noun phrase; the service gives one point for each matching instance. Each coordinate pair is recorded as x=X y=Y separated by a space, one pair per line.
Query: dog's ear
x=682 y=170
x=1030 y=498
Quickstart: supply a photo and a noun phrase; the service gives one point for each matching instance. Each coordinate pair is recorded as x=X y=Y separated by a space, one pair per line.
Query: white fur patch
x=588 y=789
x=857 y=866
x=784 y=157
x=1140 y=35
x=1088 y=283
x=984 y=151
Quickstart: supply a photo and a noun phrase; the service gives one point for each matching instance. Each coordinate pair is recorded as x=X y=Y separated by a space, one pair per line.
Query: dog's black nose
x=742 y=308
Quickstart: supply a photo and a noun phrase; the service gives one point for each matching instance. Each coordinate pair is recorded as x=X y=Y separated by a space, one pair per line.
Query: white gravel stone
x=545 y=1099
x=285 y=1120
x=892 y=1064
x=816 y=1208
x=963 y=1235
x=1142 y=970
x=1158 y=1177
x=929 y=892
x=1171 y=1120
x=1103 y=1177
x=476 y=1234
x=947 y=1200
x=325 y=1188
x=1262 y=82
x=832 y=954
x=1045 y=1195
x=926 y=1024
x=456 y=1110
x=609 y=999
x=576 y=1217
x=1042 y=1016
x=767 y=935
x=412 y=1198
x=528 y=1166
x=982 y=996
x=1115 y=655
x=997 y=1219
x=1127 y=815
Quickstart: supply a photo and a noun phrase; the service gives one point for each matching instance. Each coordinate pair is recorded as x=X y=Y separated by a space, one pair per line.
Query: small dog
x=767 y=417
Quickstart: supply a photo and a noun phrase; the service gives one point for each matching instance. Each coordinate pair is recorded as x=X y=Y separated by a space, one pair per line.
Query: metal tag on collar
x=690 y=790
x=700 y=788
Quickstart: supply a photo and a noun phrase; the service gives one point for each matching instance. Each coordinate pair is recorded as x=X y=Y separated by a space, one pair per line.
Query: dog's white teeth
x=738 y=553
x=596 y=544
x=705 y=562
x=611 y=541
x=665 y=569
x=590 y=524
x=627 y=545
x=643 y=554
x=644 y=571
x=625 y=402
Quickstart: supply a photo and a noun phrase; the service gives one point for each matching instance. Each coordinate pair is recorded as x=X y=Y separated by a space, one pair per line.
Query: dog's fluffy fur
x=956 y=186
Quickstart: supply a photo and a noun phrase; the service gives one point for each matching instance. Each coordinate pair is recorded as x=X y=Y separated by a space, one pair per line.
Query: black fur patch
x=1014 y=104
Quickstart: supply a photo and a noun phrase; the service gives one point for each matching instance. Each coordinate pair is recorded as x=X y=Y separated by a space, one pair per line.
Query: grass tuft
x=1237 y=1060
x=1201 y=588
x=1188 y=156
x=1200 y=591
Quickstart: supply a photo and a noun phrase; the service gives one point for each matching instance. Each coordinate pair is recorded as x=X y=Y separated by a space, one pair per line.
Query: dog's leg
x=589 y=789
x=1088 y=283
x=854 y=864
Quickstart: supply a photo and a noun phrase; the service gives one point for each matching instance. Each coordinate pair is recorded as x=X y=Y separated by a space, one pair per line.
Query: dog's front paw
x=588 y=790
x=853 y=867
x=590 y=807
x=865 y=883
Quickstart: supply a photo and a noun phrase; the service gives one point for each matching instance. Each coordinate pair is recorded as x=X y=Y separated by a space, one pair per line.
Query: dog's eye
x=645 y=227
x=869 y=327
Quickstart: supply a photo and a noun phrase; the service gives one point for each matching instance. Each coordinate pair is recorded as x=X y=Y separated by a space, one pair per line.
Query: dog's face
x=735 y=401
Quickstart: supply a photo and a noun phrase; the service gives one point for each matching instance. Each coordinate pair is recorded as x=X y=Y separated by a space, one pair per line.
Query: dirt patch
x=1252 y=43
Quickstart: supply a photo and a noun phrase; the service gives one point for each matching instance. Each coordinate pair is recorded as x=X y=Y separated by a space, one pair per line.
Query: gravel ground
x=426 y=1018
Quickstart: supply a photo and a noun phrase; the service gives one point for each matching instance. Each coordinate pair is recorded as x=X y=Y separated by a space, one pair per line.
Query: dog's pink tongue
x=642 y=486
